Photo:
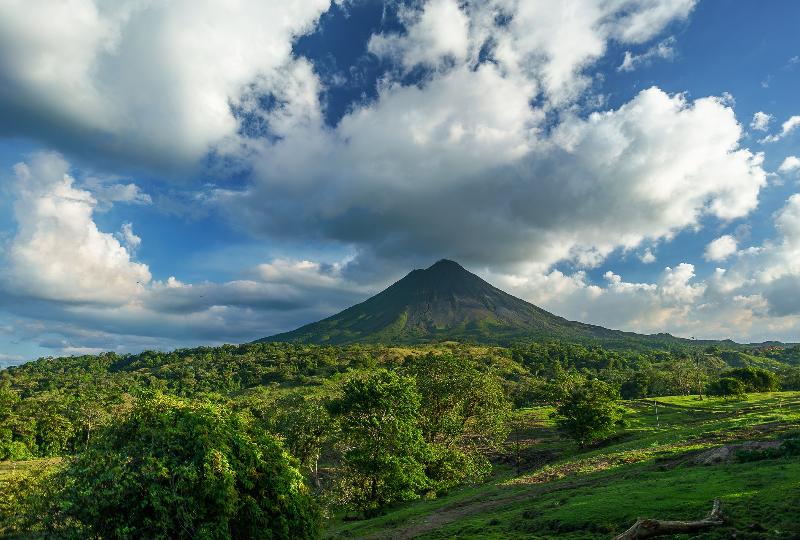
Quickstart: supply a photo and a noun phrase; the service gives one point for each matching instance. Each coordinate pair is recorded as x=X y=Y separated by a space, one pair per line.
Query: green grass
x=646 y=471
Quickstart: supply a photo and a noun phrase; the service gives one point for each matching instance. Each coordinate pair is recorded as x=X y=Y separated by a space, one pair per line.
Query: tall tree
x=385 y=453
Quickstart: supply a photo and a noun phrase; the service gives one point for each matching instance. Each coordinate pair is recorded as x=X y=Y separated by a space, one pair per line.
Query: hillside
x=446 y=302
x=660 y=467
x=56 y=411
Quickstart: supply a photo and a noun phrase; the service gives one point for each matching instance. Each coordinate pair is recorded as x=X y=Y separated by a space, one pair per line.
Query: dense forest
x=211 y=442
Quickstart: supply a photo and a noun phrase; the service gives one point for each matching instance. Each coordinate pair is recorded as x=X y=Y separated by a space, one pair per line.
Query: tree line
x=228 y=441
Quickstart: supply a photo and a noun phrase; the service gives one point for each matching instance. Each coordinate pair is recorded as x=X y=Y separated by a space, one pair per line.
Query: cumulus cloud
x=172 y=313
x=664 y=305
x=442 y=170
x=150 y=82
x=80 y=288
x=128 y=237
x=720 y=249
x=789 y=164
x=761 y=121
x=438 y=31
x=58 y=252
x=755 y=299
x=107 y=193
x=786 y=129
x=546 y=44
x=664 y=50
x=488 y=158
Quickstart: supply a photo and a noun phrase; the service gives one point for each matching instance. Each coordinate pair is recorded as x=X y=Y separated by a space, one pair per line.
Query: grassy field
x=648 y=470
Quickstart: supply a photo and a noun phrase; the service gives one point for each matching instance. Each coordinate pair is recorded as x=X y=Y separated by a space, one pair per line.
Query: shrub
x=755 y=379
x=590 y=412
x=180 y=469
x=727 y=387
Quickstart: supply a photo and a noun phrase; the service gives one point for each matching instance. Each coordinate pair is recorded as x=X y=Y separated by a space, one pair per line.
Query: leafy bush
x=789 y=447
x=25 y=498
x=755 y=379
x=727 y=387
x=180 y=469
x=590 y=412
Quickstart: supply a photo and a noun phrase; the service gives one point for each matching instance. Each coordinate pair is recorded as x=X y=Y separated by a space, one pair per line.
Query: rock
x=726 y=454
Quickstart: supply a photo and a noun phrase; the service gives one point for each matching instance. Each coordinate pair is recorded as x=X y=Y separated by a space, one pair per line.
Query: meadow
x=647 y=470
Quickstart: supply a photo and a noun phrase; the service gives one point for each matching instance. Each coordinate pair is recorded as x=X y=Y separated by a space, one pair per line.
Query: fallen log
x=649 y=528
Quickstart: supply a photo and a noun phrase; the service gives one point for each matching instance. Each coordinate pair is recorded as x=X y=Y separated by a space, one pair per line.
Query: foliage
x=385 y=454
x=590 y=412
x=26 y=497
x=788 y=448
x=180 y=469
x=460 y=404
x=304 y=424
x=754 y=379
x=464 y=414
x=599 y=492
x=728 y=387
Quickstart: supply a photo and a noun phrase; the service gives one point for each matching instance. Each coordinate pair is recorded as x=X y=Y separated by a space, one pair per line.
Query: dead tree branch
x=649 y=528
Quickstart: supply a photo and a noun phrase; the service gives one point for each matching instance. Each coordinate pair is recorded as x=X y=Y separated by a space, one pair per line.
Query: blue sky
x=173 y=175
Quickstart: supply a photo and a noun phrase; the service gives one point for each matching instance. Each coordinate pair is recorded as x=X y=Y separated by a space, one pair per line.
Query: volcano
x=446 y=302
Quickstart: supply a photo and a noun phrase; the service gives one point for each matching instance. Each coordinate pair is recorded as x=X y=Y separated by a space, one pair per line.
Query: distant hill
x=447 y=302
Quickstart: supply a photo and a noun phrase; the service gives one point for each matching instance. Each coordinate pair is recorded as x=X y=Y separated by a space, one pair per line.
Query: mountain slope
x=447 y=302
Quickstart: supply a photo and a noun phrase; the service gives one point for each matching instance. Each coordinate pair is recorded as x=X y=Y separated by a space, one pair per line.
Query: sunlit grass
x=647 y=470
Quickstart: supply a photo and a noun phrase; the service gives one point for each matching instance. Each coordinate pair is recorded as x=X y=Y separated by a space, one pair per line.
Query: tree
x=385 y=453
x=461 y=406
x=590 y=412
x=179 y=469
x=755 y=379
x=727 y=387
x=305 y=426
x=464 y=414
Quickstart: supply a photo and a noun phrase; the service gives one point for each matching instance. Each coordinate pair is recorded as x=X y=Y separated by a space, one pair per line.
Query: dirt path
x=444 y=516
x=459 y=510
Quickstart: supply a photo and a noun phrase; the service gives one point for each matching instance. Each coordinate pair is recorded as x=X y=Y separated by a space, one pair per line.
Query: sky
x=177 y=173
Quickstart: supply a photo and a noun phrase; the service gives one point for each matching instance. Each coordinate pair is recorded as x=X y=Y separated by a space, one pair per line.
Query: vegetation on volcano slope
x=469 y=418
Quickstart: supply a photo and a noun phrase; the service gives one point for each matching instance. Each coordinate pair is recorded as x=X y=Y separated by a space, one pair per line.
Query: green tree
x=755 y=379
x=461 y=405
x=385 y=453
x=464 y=414
x=590 y=412
x=179 y=469
x=729 y=387
x=305 y=426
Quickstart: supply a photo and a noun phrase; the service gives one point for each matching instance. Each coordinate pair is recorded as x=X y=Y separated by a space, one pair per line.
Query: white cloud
x=107 y=194
x=786 y=128
x=7 y=360
x=756 y=299
x=664 y=50
x=761 y=121
x=58 y=252
x=146 y=81
x=438 y=31
x=648 y=257
x=721 y=248
x=128 y=237
x=547 y=45
x=789 y=164
x=460 y=165
x=80 y=290
x=449 y=168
